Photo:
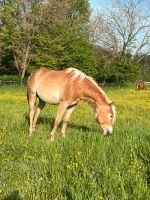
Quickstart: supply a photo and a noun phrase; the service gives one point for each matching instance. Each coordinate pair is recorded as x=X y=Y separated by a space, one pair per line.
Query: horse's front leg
x=66 y=119
x=61 y=110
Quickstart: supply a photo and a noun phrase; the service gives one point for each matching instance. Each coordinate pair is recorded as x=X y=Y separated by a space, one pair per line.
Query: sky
x=96 y=4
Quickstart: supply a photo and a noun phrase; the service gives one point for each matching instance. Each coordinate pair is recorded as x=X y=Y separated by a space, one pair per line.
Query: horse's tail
x=27 y=90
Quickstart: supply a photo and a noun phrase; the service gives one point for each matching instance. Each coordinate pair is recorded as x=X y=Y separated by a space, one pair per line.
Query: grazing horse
x=67 y=88
x=140 y=85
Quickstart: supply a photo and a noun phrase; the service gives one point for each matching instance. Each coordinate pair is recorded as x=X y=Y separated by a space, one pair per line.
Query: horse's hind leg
x=31 y=102
x=37 y=112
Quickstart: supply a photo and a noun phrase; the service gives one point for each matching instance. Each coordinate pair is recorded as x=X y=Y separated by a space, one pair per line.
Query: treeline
x=61 y=34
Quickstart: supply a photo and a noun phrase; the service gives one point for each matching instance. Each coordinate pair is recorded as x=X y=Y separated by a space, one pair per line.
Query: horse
x=140 y=85
x=66 y=88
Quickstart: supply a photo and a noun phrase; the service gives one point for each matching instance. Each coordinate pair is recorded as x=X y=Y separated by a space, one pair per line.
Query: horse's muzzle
x=108 y=134
x=108 y=131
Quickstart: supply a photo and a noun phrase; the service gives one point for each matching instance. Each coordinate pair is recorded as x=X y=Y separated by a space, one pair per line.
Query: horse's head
x=105 y=115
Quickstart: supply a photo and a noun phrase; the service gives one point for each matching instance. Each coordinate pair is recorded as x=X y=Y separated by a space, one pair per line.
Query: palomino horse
x=67 y=88
x=140 y=85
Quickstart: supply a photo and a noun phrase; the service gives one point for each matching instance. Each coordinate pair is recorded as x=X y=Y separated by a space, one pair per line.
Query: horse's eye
x=111 y=116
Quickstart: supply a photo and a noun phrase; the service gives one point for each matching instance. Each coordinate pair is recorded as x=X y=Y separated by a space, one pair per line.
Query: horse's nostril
x=108 y=133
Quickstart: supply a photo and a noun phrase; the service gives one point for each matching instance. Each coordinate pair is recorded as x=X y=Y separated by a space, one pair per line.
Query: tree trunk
x=16 y=61
x=25 y=62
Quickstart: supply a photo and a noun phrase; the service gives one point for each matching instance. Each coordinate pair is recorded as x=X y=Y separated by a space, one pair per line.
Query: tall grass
x=83 y=166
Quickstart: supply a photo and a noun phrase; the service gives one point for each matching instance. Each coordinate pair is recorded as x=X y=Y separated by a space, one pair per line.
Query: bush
x=118 y=72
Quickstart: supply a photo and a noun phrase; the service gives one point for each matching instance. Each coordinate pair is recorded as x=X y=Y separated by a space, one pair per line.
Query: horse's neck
x=92 y=92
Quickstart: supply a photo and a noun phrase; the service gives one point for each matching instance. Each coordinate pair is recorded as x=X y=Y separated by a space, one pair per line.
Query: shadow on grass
x=67 y=194
x=50 y=121
x=13 y=195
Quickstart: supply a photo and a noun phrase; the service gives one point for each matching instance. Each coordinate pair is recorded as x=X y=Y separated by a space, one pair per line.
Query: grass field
x=83 y=166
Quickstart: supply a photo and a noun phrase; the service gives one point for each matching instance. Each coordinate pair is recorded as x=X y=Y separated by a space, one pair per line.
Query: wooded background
x=112 y=44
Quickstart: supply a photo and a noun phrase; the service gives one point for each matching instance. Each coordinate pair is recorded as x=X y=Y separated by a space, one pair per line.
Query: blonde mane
x=77 y=73
x=99 y=88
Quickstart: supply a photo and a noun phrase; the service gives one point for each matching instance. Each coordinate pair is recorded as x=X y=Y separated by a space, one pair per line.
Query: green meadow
x=83 y=166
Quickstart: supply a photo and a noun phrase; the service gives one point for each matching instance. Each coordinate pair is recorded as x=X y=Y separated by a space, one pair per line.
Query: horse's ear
x=114 y=111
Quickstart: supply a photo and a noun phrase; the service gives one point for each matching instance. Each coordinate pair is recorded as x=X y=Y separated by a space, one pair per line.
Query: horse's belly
x=49 y=99
x=48 y=95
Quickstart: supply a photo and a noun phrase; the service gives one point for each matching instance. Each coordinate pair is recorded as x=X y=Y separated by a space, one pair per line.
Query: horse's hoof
x=51 y=139
x=63 y=136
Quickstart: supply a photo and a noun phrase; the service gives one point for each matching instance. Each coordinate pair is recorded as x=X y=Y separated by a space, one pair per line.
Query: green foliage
x=47 y=34
x=85 y=164
x=55 y=34
x=82 y=57
x=118 y=72
x=123 y=71
x=18 y=27
x=8 y=62
x=67 y=43
x=146 y=76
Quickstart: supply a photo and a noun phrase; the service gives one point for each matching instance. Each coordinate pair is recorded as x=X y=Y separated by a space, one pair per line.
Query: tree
x=123 y=28
x=113 y=70
x=64 y=40
x=19 y=24
x=47 y=33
